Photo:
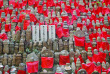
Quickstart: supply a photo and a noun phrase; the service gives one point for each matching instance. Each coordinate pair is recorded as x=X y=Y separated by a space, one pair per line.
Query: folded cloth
x=31 y=2
x=1 y=3
x=64 y=59
x=99 y=45
x=21 y=72
x=104 y=70
x=50 y=3
x=3 y=36
x=32 y=67
x=87 y=45
x=7 y=27
x=26 y=24
x=79 y=41
x=59 y=32
x=47 y=62
x=91 y=67
x=100 y=57
x=40 y=9
x=17 y=28
x=65 y=32
x=32 y=18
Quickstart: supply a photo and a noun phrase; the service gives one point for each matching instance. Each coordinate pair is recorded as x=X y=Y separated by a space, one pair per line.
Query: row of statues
x=78 y=43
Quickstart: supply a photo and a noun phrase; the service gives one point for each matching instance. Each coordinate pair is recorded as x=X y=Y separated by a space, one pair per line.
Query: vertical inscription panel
x=33 y=33
x=52 y=32
x=43 y=32
x=37 y=33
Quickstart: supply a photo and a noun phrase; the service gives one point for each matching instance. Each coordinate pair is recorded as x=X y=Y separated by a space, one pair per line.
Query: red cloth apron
x=47 y=62
x=32 y=67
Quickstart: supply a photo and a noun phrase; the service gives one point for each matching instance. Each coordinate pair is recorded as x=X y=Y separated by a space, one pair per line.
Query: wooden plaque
x=33 y=33
x=52 y=32
x=43 y=33
x=37 y=33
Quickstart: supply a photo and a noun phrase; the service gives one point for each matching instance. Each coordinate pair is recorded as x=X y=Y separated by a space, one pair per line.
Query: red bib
x=47 y=62
x=64 y=59
x=79 y=41
x=21 y=72
x=32 y=67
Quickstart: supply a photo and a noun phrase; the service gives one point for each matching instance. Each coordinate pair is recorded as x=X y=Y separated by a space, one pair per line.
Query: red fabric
x=40 y=9
x=1 y=3
x=105 y=11
x=104 y=70
x=26 y=24
x=50 y=3
x=80 y=25
x=88 y=67
x=73 y=18
x=7 y=27
x=108 y=46
x=99 y=45
x=7 y=71
x=64 y=59
x=98 y=68
x=24 y=2
x=90 y=58
x=14 y=20
x=90 y=26
x=88 y=45
x=32 y=67
x=54 y=18
x=16 y=5
x=80 y=57
x=3 y=36
x=104 y=45
x=3 y=20
x=100 y=57
x=36 y=3
x=17 y=28
x=58 y=73
x=104 y=34
x=21 y=17
x=79 y=41
x=10 y=11
x=68 y=9
x=45 y=13
x=93 y=17
x=91 y=67
x=108 y=70
x=31 y=2
x=81 y=8
x=65 y=32
x=20 y=5
x=6 y=10
x=11 y=2
x=76 y=71
x=32 y=18
x=47 y=62
x=21 y=72
x=59 y=32
x=94 y=35
x=0 y=25
x=65 y=18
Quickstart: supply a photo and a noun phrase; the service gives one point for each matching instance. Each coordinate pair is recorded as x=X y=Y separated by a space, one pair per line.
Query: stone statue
x=5 y=59
x=6 y=46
